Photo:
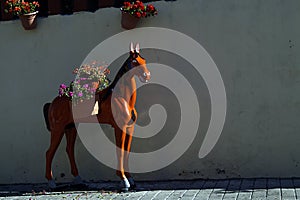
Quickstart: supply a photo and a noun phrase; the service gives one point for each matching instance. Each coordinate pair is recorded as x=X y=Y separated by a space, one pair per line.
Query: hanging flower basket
x=29 y=21
x=132 y=12
x=128 y=21
x=27 y=12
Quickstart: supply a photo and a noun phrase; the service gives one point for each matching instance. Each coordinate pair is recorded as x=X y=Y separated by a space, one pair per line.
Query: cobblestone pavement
x=231 y=189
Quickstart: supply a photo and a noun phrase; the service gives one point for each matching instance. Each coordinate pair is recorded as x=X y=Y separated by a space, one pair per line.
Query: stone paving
x=230 y=189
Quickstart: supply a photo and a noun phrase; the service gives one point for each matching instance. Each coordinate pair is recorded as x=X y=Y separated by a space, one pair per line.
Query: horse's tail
x=46 y=111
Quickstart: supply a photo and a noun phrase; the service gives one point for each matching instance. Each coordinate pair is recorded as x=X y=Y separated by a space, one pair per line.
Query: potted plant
x=90 y=78
x=26 y=11
x=133 y=12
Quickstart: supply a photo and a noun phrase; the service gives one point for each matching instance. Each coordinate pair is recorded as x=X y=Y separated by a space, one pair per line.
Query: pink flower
x=63 y=86
x=85 y=85
x=60 y=92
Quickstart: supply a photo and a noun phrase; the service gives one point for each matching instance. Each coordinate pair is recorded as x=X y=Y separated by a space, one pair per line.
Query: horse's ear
x=137 y=48
x=131 y=47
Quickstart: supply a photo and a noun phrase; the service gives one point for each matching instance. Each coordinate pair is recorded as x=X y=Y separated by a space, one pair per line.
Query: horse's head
x=137 y=64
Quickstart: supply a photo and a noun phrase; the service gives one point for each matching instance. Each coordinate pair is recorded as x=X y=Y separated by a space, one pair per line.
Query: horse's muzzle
x=145 y=77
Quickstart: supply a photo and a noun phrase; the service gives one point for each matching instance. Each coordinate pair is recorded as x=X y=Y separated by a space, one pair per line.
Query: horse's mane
x=104 y=94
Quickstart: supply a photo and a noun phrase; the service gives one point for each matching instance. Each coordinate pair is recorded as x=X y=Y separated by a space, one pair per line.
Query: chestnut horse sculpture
x=116 y=98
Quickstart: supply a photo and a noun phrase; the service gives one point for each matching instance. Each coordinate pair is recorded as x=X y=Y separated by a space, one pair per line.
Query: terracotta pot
x=128 y=21
x=83 y=109
x=29 y=21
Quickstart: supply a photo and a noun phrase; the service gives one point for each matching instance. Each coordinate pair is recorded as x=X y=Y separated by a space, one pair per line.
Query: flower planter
x=84 y=109
x=29 y=21
x=128 y=21
x=81 y=92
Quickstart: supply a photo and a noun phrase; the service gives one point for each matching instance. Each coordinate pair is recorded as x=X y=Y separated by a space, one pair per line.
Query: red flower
x=126 y=4
x=36 y=3
x=138 y=15
x=106 y=71
x=135 y=6
x=140 y=5
x=150 y=8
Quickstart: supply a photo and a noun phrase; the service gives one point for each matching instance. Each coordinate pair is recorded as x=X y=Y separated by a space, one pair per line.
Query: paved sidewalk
x=231 y=189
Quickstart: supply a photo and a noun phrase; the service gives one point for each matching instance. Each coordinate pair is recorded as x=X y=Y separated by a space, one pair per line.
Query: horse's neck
x=124 y=85
x=126 y=89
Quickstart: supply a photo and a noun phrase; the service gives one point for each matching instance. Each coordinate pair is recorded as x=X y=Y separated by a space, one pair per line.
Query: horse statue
x=116 y=107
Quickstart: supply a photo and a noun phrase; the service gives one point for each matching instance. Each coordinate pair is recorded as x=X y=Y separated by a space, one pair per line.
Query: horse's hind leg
x=71 y=134
x=56 y=136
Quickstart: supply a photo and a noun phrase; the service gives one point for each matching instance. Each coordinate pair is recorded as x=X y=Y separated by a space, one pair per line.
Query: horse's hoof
x=77 y=180
x=51 y=184
x=125 y=185
x=132 y=184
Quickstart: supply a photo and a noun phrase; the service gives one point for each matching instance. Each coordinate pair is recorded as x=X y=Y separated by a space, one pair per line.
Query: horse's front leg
x=128 y=141
x=121 y=113
x=120 y=135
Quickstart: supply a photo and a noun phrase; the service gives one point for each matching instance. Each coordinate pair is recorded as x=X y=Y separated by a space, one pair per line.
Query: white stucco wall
x=254 y=43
